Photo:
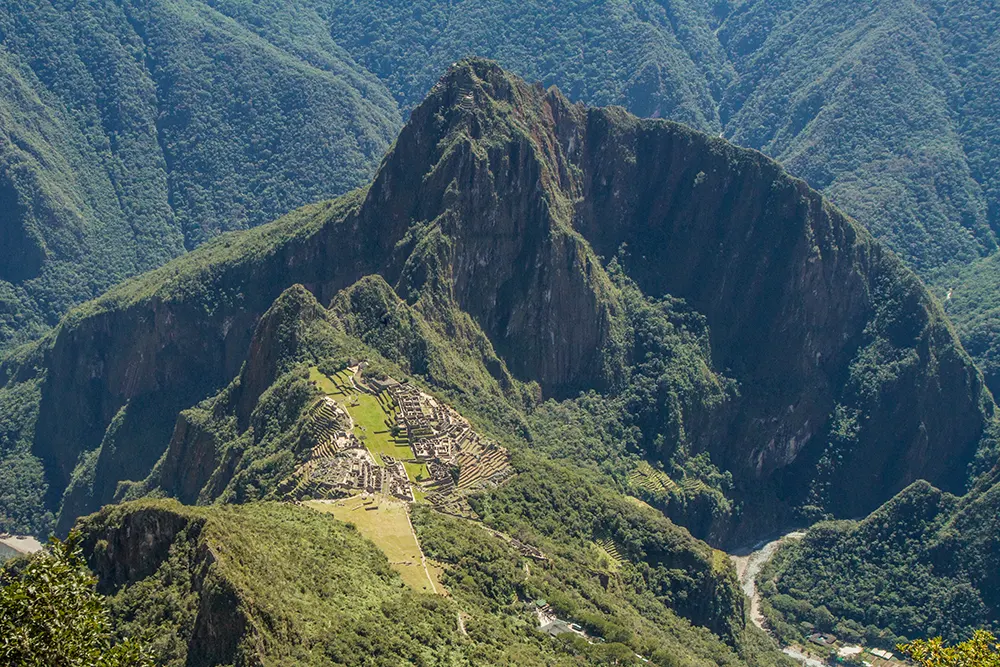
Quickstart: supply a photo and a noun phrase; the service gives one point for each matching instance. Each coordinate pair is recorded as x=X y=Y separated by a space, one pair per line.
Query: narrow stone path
x=423 y=559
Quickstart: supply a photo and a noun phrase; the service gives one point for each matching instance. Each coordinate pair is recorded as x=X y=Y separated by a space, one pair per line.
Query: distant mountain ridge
x=883 y=107
x=132 y=132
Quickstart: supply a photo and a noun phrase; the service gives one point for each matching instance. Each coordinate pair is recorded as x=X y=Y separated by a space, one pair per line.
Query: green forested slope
x=711 y=325
x=884 y=107
x=763 y=383
x=969 y=33
x=889 y=108
x=657 y=59
x=281 y=584
x=923 y=565
x=223 y=114
x=970 y=295
x=130 y=132
x=863 y=101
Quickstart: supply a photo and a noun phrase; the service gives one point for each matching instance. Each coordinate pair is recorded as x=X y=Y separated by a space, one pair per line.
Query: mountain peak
x=580 y=250
x=471 y=81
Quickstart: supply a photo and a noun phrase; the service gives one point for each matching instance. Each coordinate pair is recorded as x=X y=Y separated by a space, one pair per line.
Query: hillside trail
x=423 y=560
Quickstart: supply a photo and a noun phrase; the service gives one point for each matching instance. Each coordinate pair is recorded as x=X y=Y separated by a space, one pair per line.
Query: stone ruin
x=458 y=460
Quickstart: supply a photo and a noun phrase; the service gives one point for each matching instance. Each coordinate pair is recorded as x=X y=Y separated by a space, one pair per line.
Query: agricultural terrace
x=608 y=553
x=649 y=478
x=386 y=522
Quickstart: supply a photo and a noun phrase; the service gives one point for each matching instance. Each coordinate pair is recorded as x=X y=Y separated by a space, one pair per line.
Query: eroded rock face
x=506 y=202
x=479 y=206
x=159 y=355
x=805 y=311
x=847 y=370
x=276 y=337
x=191 y=457
x=132 y=549
x=165 y=356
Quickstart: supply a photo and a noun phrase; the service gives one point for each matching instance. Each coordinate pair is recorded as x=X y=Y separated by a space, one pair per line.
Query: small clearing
x=373 y=417
x=20 y=544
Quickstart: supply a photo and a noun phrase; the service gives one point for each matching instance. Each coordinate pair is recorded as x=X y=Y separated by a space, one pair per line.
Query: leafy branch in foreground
x=982 y=650
x=52 y=616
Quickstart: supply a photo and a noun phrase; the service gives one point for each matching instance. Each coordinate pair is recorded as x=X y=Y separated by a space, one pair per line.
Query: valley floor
x=749 y=563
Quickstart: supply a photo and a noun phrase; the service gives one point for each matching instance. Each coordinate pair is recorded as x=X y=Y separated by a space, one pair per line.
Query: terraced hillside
x=381 y=437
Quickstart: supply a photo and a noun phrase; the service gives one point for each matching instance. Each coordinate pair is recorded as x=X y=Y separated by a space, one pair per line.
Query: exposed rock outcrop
x=126 y=547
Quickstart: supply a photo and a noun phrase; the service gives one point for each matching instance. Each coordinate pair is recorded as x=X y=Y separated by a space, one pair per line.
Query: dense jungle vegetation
x=51 y=614
x=132 y=133
x=224 y=114
x=919 y=567
x=295 y=586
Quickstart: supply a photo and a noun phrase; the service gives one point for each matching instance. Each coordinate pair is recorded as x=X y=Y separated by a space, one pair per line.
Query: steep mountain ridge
x=504 y=211
x=245 y=585
x=882 y=108
x=934 y=556
x=867 y=110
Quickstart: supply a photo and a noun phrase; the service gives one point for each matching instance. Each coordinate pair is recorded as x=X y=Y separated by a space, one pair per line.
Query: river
x=749 y=562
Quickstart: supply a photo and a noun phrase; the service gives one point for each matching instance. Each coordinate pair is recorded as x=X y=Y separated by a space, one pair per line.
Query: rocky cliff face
x=125 y=548
x=504 y=204
x=847 y=370
x=482 y=211
x=193 y=454
x=806 y=311
x=156 y=355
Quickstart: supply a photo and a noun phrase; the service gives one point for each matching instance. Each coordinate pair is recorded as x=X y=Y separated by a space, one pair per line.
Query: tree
x=52 y=616
x=982 y=650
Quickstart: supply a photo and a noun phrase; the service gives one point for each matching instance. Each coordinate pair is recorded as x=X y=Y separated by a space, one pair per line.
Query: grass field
x=417 y=472
x=370 y=427
x=389 y=528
